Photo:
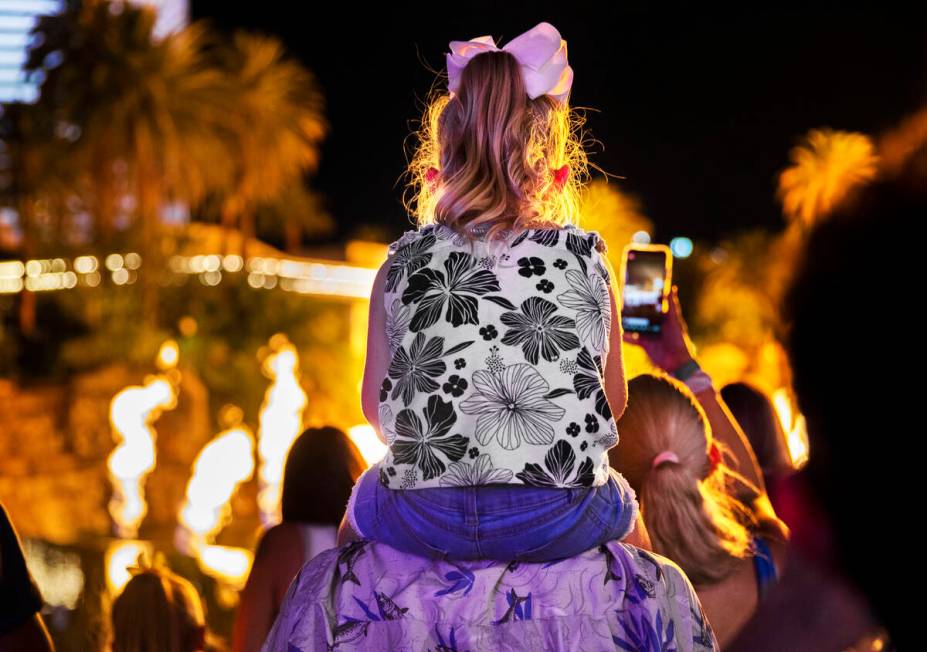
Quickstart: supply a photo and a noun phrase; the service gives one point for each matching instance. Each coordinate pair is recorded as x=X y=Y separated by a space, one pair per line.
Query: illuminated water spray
x=281 y=421
x=223 y=464
x=132 y=411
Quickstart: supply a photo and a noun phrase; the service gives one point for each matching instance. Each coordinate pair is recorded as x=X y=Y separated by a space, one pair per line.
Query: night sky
x=698 y=109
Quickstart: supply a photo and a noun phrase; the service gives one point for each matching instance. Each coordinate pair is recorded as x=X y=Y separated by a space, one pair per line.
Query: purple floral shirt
x=368 y=596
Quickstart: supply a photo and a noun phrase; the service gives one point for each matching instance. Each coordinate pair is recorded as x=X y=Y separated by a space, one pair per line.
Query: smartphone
x=646 y=271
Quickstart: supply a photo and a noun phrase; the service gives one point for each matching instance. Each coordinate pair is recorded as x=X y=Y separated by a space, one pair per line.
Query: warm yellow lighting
x=34 y=268
x=223 y=464
x=133 y=261
x=794 y=426
x=86 y=264
x=11 y=269
x=58 y=573
x=281 y=421
x=212 y=263
x=230 y=565
x=114 y=262
x=187 y=326
x=120 y=556
x=132 y=411
x=10 y=285
x=366 y=440
x=168 y=355
x=121 y=276
x=232 y=263
x=824 y=169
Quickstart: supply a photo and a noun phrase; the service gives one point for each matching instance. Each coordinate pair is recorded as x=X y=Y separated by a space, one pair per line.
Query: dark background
x=696 y=108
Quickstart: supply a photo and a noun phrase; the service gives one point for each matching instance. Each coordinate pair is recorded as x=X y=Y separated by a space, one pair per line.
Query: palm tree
x=146 y=115
x=825 y=167
x=278 y=127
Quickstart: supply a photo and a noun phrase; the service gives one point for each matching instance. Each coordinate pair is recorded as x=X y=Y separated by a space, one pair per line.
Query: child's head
x=665 y=453
x=497 y=151
x=158 y=611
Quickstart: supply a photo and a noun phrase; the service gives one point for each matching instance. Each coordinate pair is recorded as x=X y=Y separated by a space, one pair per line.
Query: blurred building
x=17 y=18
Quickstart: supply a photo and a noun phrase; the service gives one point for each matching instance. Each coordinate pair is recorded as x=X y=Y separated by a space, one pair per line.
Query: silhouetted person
x=320 y=471
x=21 y=626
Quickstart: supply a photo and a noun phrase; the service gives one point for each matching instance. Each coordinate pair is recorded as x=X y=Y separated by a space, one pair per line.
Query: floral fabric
x=497 y=362
x=368 y=596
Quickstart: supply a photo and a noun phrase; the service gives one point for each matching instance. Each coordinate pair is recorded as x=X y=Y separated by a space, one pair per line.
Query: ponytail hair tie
x=665 y=456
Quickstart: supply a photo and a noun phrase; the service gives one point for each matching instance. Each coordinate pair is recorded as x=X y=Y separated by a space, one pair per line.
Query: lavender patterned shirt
x=368 y=596
x=497 y=360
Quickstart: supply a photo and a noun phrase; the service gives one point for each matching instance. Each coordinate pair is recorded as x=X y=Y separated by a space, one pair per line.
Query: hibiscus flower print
x=512 y=407
x=589 y=379
x=409 y=259
x=559 y=462
x=462 y=474
x=538 y=331
x=419 y=443
x=415 y=370
x=387 y=423
x=460 y=287
x=588 y=296
x=397 y=324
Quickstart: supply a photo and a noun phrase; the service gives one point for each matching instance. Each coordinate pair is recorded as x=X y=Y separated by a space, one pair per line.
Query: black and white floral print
x=409 y=258
x=419 y=441
x=464 y=474
x=512 y=407
x=398 y=318
x=539 y=331
x=589 y=380
x=558 y=472
x=496 y=367
x=460 y=287
x=415 y=370
x=588 y=296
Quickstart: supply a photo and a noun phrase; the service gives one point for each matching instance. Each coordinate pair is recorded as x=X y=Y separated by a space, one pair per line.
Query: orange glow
x=132 y=411
x=281 y=421
x=794 y=426
x=366 y=440
x=225 y=563
x=223 y=464
x=120 y=556
x=824 y=169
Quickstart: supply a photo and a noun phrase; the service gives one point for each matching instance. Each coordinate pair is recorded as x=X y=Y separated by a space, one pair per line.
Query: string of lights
x=303 y=276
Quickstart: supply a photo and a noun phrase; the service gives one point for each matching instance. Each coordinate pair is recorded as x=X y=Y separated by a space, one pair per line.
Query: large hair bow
x=540 y=51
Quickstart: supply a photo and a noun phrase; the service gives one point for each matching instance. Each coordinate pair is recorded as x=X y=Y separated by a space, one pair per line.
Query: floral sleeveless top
x=497 y=359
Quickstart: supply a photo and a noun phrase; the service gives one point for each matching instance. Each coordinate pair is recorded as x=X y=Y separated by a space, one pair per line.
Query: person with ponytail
x=676 y=438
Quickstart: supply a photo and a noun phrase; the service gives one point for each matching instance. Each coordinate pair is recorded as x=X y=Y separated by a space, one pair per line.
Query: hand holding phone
x=646 y=274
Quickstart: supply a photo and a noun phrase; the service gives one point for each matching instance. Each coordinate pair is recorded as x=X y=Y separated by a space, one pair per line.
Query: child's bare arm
x=375 y=367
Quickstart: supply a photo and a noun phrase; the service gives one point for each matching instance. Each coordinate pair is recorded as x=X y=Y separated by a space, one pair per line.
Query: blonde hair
x=158 y=611
x=687 y=508
x=496 y=150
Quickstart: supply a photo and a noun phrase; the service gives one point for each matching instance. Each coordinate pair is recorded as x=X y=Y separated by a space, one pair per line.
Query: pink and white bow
x=540 y=51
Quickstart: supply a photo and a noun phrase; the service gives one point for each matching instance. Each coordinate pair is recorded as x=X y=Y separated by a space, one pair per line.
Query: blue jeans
x=494 y=522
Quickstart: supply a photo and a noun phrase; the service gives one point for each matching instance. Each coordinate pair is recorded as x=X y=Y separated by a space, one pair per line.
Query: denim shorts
x=493 y=522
